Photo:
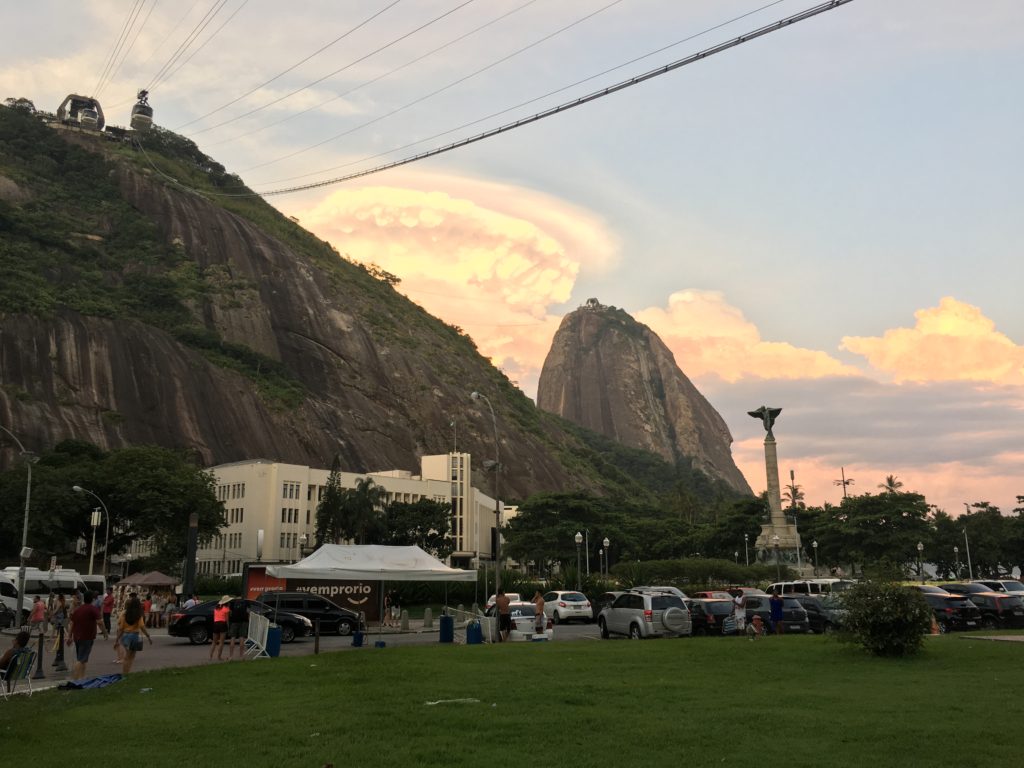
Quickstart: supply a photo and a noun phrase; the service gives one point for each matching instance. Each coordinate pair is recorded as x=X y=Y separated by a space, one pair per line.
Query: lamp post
x=600 y=561
x=302 y=545
x=814 y=546
x=94 y=522
x=736 y=555
x=28 y=457
x=967 y=544
x=956 y=555
x=106 y=514
x=778 y=568
x=607 y=554
x=920 y=571
x=579 y=540
x=746 y=551
x=497 y=505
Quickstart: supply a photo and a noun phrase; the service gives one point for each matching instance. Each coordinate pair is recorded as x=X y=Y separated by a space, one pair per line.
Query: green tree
x=425 y=523
x=794 y=494
x=330 y=508
x=891 y=484
x=362 y=518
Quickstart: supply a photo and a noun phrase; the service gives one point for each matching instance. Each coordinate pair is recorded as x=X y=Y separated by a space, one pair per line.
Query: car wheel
x=604 y=629
x=634 y=632
x=198 y=634
x=287 y=634
x=555 y=618
x=344 y=628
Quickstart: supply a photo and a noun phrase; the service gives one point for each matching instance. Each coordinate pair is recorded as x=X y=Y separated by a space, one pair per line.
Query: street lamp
x=746 y=551
x=497 y=506
x=778 y=571
x=600 y=561
x=579 y=540
x=94 y=521
x=607 y=554
x=956 y=554
x=920 y=572
x=814 y=546
x=106 y=513
x=736 y=555
x=29 y=458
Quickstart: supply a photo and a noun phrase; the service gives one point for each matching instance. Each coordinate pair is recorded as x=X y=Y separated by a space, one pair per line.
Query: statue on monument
x=767 y=416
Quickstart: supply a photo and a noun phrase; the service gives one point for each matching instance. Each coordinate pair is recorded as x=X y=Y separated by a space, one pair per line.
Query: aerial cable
x=133 y=12
x=338 y=71
x=128 y=50
x=293 y=66
x=671 y=67
x=187 y=43
x=522 y=104
x=350 y=91
x=206 y=41
x=442 y=89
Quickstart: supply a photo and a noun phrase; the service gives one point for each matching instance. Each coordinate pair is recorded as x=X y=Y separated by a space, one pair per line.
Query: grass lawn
x=793 y=701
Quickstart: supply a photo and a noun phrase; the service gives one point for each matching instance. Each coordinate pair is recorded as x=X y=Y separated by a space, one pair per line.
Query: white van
x=809 y=587
x=9 y=593
x=39 y=582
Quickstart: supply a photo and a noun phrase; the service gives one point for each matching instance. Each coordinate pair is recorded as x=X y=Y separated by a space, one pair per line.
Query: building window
x=307 y=517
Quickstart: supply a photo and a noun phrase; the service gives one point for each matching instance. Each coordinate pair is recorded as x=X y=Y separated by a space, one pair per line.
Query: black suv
x=794 y=616
x=333 y=618
x=998 y=609
x=196 y=623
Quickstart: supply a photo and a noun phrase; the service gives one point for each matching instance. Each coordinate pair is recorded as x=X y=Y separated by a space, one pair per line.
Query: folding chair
x=19 y=669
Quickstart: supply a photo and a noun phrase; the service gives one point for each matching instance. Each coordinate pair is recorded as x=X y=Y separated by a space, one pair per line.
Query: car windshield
x=573 y=597
x=663 y=602
x=1014 y=586
x=791 y=602
x=718 y=607
x=520 y=611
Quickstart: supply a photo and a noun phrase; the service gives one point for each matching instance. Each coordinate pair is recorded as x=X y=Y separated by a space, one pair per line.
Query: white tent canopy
x=347 y=562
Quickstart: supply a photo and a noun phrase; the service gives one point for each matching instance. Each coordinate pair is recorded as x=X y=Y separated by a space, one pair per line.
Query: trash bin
x=474 y=633
x=357 y=639
x=274 y=642
x=447 y=629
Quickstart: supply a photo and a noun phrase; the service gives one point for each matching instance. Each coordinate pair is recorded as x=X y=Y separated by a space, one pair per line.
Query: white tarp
x=347 y=562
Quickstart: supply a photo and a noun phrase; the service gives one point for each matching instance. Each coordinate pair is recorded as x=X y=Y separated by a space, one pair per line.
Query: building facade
x=270 y=509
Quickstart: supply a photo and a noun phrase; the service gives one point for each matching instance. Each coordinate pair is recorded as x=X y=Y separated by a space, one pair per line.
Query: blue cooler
x=274 y=642
x=447 y=629
x=357 y=639
x=474 y=633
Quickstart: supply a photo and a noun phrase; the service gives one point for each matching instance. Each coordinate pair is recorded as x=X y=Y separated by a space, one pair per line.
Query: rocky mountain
x=613 y=375
x=146 y=296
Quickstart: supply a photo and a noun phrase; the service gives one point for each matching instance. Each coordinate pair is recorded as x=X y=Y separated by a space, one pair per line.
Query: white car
x=513 y=597
x=568 y=606
x=524 y=623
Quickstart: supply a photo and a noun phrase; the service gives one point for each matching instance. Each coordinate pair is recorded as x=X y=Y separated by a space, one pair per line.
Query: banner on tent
x=359 y=595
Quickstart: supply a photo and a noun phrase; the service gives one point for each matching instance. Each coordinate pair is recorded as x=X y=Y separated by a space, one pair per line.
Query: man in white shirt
x=191 y=603
x=739 y=613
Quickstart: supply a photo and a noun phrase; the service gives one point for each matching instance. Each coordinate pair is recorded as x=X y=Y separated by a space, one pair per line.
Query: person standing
x=108 y=607
x=775 y=605
x=60 y=620
x=38 y=615
x=221 y=613
x=192 y=602
x=739 y=613
x=238 y=627
x=130 y=628
x=86 y=619
x=147 y=606
x=538 y=615
x=503 y=604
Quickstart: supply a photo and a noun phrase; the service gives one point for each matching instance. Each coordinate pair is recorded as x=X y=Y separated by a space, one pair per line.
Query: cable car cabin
x=142 y=117
x=81 y=110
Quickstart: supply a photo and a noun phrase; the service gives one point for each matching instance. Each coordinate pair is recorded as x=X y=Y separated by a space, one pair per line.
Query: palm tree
x=794 y=495
x=891 y=484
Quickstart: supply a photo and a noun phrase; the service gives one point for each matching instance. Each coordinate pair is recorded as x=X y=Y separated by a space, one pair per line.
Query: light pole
x=106 y=514
x=497 y=505
x=736 y=555
x=302 y=545
x=778 y=567
x=746 y=551
x=814 y=546
x=94 y=521
x=586 y=537
x=967 y=545
x=600 y=561
x=28 y=457
x=607 y=554
x=579 y=540
x=956 y=554
x=920 y=571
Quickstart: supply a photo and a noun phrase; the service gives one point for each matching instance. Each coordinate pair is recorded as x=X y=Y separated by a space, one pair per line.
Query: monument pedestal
x=789 y=551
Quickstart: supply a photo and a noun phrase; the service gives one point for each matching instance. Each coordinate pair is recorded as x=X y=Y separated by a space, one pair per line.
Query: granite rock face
x=613 y=375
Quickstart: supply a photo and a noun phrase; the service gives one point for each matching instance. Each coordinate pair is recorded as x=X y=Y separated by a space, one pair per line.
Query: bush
x=886 y=618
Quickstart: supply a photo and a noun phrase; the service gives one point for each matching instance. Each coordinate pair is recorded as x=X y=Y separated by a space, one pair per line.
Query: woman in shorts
x=131 y=625
x=220 y=626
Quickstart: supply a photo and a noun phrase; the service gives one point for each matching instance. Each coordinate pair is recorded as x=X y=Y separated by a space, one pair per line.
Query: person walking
x=108 y=607
x=538 y=613
x=38 y=615
x=238 y=627
x=739 y=613
x=221 y=613
x=385 y=619
x=503 y=604
x=147 y=607
x=60 y=620
x=775 y=604
x=130 y=628
x=86 y=619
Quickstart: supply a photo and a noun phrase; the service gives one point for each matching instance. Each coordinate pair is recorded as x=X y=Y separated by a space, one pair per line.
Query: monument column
x=771 y=465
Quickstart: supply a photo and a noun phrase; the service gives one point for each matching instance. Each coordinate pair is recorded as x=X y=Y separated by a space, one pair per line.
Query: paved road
x=169 y=651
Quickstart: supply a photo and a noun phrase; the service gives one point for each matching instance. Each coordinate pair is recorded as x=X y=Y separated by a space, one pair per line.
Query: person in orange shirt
x=221 y=611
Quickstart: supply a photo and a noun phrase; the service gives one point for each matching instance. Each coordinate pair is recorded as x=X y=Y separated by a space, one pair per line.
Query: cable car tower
x=142 y=113
x=84 y=111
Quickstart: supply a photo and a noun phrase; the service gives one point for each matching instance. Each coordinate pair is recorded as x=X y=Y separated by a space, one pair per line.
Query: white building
x=280 y=500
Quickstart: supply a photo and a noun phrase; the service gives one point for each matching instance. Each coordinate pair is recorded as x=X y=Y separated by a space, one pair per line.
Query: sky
x=825 y=219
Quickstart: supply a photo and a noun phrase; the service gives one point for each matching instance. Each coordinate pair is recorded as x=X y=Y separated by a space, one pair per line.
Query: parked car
x=708 y=615
x=7 y=618
x=196 y=623
x=568 y=606
x=640 y=615
x=998 y=609
x=513 y=597
x=711 y=595
x=736 y=591
x=952 y=611
x=824 y=614
x=1009 y=586
x=670 y=590
x=794 y=616
x=524 y=622
x=602 y=601
x=333 y=618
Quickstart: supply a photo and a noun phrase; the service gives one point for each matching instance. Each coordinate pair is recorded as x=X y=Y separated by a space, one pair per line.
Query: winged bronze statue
x=767 y=416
